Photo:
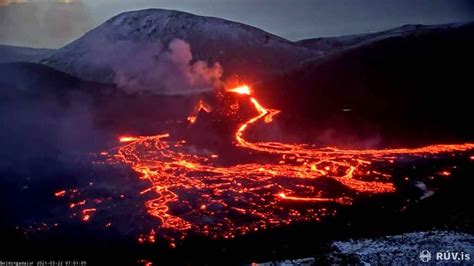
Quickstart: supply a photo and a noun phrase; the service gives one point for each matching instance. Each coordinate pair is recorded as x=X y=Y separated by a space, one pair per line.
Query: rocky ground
x=403 y=249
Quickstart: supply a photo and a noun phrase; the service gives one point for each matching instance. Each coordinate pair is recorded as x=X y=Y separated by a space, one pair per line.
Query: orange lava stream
x=191 y=192
x=200 y=106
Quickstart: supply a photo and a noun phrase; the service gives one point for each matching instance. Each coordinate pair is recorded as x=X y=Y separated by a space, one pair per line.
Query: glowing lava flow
x=244 y=89
x=201 y=106
x=194 y=193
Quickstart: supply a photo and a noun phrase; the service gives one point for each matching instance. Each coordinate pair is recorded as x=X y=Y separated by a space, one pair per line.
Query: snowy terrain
x=173 y=52
x=10 y=53
x=241 y=49
x=401 y=249
x=332 y=44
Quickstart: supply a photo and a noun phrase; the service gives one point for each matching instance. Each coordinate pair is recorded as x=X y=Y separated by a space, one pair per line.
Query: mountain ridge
x=331 y=44
x=11 y=53
x=243 y=50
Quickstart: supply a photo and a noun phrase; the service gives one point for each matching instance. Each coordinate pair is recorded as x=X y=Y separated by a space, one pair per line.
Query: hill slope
x=241 y=49
x=9 y=54
x=332 y=44
x=407 y=87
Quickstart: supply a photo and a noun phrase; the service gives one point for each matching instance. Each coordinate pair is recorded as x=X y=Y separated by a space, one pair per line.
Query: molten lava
x=244 y=89
x=128 y=139
x=192 y=193
x=201 y=106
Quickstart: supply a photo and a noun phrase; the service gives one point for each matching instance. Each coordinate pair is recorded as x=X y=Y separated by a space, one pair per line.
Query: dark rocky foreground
x=364 y=232
x=401 y=249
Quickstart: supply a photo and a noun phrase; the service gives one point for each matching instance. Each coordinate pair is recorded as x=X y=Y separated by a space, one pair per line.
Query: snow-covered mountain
x=413 y=84
x=131 y=37
x=10 y=53
x=166 y=51
x=333 y=44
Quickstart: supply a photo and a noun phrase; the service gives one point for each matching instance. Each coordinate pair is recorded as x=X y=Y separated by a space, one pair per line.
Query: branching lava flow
x=193 y=193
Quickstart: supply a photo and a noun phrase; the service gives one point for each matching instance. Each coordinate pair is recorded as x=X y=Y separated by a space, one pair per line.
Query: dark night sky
x=54 y=23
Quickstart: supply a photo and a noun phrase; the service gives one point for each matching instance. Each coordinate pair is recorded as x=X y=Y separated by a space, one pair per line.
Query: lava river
x=192 y=193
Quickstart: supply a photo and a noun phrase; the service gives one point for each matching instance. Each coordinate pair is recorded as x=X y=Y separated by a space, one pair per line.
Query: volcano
x=318 y=141
x=246 y=51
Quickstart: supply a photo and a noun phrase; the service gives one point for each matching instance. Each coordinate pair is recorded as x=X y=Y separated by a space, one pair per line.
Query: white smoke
x=166 y=71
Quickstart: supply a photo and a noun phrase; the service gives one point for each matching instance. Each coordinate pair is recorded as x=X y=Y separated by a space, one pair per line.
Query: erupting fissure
x=192 y=192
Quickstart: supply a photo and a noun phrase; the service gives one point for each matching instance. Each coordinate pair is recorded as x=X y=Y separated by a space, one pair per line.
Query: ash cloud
x=164 y=70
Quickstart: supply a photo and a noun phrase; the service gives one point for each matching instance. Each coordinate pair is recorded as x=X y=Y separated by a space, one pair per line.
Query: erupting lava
x=244 y=89
x=200 y=106
x=194 y=193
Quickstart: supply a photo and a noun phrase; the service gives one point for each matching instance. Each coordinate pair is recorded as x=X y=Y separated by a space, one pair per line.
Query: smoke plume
x=167 y=71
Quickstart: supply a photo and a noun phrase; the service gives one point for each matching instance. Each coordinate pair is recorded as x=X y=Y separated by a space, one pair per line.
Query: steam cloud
x=167 y=71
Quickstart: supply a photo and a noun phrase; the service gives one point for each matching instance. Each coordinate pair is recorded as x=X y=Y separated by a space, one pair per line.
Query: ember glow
x=244 y=89
x=201 y=106
x=128 y=139
x=60 y=193
x=193 y=193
